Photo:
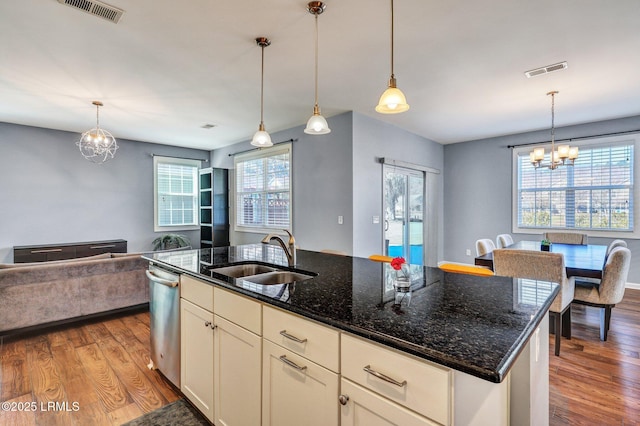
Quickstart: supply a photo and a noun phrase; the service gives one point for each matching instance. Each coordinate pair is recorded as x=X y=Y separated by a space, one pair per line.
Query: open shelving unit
x=214 y=207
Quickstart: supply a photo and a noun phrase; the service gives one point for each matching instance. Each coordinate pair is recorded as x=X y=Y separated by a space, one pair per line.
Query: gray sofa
x=36 y=294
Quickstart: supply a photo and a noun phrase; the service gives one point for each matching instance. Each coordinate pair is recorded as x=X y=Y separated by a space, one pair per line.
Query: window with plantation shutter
x=263 y=189
x=595 y=194
x=176 y=194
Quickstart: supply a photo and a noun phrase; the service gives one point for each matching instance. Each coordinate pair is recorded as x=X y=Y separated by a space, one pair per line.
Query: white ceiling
x=169 y=66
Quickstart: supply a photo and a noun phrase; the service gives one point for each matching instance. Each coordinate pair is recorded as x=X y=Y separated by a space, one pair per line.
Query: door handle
x=156 y=279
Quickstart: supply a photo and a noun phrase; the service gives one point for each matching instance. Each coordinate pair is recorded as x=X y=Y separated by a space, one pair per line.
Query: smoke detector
x=96 y=8
x=546 y=70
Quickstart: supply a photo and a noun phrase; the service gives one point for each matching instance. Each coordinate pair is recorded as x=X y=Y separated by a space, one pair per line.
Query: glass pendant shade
x=261 y=138
x=317 y=124
x=392 y=101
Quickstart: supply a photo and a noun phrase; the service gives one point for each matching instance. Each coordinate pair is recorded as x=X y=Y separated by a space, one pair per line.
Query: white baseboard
x=633 y=286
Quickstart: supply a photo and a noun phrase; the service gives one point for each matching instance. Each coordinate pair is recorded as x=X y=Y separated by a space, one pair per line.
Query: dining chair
x=504 y=240
x=610 y=291
x=566 y=238
x=594 y=282
x=544 y=266
x=484 y=246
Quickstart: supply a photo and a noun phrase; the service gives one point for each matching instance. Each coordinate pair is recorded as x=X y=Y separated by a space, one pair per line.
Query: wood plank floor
x=594 y=382
x=96 y=372
x=102 y=367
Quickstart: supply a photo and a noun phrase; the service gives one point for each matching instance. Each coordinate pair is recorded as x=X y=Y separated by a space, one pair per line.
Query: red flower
x=397 y=263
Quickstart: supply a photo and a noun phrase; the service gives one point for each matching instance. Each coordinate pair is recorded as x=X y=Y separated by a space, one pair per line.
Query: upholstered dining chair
x=545 y=266
x=504 y=240
x=484 y=246
x=610 y=291
x=594 y=282
x=566 y=238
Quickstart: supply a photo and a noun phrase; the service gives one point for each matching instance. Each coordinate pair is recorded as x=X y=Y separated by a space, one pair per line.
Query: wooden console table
x=43 y=253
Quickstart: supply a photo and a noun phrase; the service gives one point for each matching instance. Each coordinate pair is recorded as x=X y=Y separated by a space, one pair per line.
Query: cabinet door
x=237 y=372
x=296 y=391
x=196 y=362
x=365 y=408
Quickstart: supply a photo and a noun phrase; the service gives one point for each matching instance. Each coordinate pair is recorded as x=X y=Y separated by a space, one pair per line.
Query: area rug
x=178 y=413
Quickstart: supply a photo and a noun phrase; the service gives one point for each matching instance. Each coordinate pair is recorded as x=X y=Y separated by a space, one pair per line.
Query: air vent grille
x=545 y=70
x=96 y=8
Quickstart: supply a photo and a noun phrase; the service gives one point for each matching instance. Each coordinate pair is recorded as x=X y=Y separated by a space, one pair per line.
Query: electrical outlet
x=468 y=252
x=340 y=220
x=376 y=219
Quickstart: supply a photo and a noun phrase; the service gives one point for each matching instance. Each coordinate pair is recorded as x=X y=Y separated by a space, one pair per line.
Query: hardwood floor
x=594 y=382
x=96 y=372
x=99 y=370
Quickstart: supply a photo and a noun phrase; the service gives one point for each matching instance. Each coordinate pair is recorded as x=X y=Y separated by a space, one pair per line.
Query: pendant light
x=317 y=124
x=97 y=145
x=261 y=138
x=565 y=155
x=392 y=100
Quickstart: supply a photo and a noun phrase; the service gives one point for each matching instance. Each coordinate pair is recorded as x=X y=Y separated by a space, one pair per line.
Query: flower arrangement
x=397 y=262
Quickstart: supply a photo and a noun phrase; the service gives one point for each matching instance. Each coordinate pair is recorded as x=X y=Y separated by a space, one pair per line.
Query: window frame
x=279 y=149
x=157 y=160
x=631 y=139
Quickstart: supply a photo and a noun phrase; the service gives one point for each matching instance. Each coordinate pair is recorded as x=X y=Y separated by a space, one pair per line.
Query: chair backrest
x=566 y=238
x=614 y=244
x=536 y=265
x=614 y=276
x=484 y=246
x=504 y=240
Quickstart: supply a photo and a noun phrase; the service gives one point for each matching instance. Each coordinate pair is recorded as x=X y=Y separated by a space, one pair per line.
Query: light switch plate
x=376 y=219
x=340 y=220
x=468 y=252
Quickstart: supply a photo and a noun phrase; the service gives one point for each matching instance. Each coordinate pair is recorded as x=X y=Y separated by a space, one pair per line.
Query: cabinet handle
x=46 y=251
x=343 y=399
x=290 y=363
x=294 y=338
x=210 y=325
x=104 y=246
x=384 y=377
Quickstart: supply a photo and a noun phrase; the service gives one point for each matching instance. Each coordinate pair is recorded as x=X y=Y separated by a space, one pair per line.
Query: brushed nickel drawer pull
x=294 y=338
x=384 y=377
x=46 y=251
x=104 y=246
x=290 y=363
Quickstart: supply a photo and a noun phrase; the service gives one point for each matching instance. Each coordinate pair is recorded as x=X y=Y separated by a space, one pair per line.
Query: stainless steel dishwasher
x=164 y=312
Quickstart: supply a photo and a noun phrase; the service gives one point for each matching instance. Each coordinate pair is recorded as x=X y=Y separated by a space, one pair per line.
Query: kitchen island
x=489 y=334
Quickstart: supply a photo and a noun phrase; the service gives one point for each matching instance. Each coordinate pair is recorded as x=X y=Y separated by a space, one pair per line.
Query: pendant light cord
x=97 y=117
x=316 y=16
x=553 y=119
x=262 y=88
x=392 y=76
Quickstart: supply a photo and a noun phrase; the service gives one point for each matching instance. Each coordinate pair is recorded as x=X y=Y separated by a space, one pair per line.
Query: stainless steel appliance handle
x=156 y=279
x=294 y=338
x=290 y=363
x=384 y=377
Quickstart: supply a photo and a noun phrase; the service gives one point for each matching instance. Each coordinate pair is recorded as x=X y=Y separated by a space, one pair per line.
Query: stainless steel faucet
x=290 y=251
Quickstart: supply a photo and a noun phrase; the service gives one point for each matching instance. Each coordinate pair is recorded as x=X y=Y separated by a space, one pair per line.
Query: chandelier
x=565 y=155
x=97 y=145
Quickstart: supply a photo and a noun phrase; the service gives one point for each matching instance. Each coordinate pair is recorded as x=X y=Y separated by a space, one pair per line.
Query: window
x=263 y=190
x=175 y=184
x=596 y=194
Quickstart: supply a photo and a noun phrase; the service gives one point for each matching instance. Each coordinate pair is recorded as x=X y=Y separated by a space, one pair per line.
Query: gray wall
x=373 y=139
x=50 y=194
x=478 y=184
x=322 y=185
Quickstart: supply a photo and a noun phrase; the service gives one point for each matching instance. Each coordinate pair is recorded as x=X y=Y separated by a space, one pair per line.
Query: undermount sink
x=277 y=277
x=243 y=270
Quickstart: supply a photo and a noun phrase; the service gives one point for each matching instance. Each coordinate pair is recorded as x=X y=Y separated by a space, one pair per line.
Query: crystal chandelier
x=565 y=155
x=97 y=145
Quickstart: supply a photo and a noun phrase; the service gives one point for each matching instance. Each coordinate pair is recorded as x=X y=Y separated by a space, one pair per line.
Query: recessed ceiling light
x=208 y=126
x=547 y=69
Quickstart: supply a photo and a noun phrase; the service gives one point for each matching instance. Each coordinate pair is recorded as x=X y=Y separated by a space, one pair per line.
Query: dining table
x=581 y=260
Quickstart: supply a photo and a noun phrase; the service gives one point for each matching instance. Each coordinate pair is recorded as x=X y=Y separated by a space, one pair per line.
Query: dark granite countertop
x=473 y=324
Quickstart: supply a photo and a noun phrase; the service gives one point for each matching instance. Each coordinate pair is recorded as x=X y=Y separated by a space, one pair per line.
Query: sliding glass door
x=404 y=213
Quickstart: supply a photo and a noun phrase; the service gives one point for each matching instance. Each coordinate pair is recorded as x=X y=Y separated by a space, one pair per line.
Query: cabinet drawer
x=316 y=342
x=419 y=385
x=238 y=309
x=197 y=292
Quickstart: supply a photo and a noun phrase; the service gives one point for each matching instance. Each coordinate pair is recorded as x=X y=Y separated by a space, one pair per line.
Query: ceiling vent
x=96 y=8
x=546 y=70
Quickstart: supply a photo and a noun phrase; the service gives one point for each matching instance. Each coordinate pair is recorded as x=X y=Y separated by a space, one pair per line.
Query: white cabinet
x=300 y=371
x=196 y=355
x=297 y=391
x=237 y=371
x=421 y=386
x=365 y=408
